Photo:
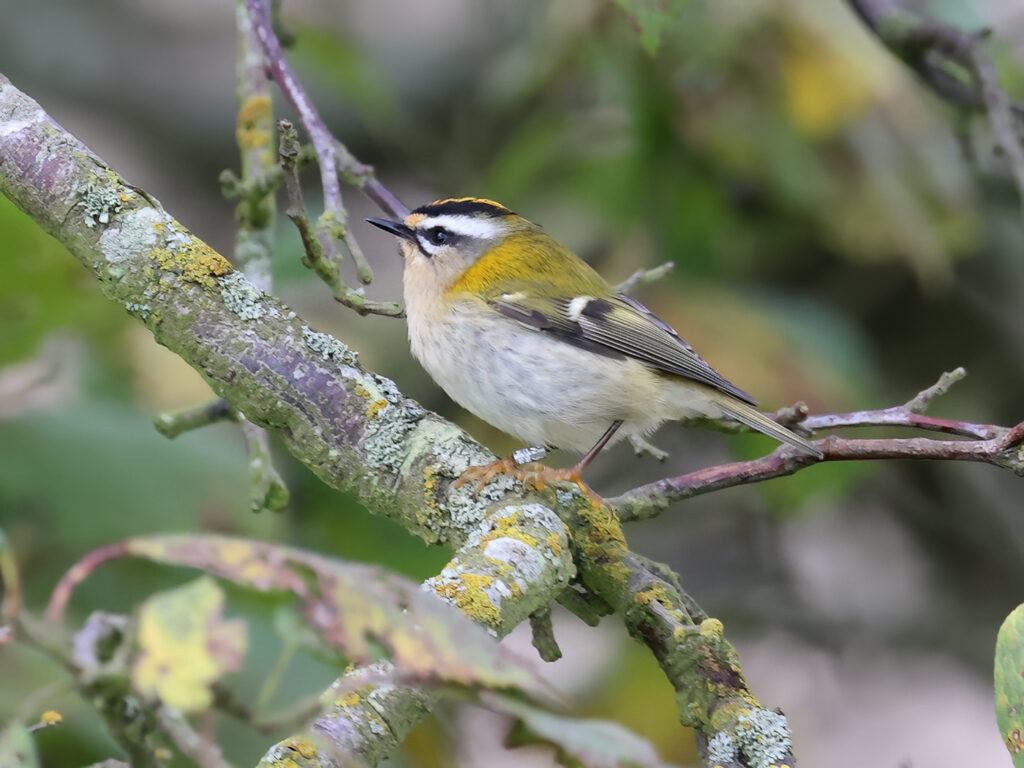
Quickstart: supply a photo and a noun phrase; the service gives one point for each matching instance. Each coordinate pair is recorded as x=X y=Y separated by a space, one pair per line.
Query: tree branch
x=332 y=155
x=654 y=498
x=951 y=63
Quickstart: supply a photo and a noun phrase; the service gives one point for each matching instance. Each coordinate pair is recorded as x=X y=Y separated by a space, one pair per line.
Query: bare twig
x=544 y=635
x=170 y=425
x=255 y=236
x=328 y=148
x=650 y=500
x=910 y=414
x=203 y=752
x=919 y=403
x=314 y=256
x=642 y=447
x=644 y=276
x=333 y=157
x=952 y=64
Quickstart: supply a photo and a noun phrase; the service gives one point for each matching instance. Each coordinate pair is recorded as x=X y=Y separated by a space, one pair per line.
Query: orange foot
x=487 y=472
x=537 y=475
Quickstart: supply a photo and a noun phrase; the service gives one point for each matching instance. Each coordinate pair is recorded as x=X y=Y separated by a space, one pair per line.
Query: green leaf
x=185 y=645
x=1009 y=679
x=578 y=743
x=17 y=749
x=358 y=609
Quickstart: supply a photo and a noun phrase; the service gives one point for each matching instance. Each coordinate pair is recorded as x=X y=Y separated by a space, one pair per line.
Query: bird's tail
x=754 y=419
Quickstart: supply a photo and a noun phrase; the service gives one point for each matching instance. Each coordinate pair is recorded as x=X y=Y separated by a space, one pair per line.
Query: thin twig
x=333 y=157
x=644 y=276
x=254 y=239
x=203 y=752
x=650 y=500
x=952 y=64
x=544 y=635
x=267 y=489
x=170 y=425
x=314 y=256
x=919 y=403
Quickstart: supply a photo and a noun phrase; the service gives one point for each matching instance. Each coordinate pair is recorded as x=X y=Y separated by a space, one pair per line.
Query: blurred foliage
x=578 y=742
x=839 y=236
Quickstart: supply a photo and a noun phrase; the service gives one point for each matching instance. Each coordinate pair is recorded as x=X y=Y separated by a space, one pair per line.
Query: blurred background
x=840 y=237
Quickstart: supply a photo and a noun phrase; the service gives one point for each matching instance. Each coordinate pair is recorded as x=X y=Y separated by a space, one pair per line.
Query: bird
x=521 y=332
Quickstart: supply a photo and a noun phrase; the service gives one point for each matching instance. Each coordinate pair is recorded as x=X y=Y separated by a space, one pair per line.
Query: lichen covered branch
x=506 y=570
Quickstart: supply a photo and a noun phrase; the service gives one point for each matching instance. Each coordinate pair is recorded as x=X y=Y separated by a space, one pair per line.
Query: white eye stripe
x=467 y=226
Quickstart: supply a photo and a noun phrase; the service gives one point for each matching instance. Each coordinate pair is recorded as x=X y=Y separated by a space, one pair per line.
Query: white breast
x=533 y=386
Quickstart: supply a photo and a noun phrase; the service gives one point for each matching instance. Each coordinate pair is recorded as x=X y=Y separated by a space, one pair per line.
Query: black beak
x=396 y=228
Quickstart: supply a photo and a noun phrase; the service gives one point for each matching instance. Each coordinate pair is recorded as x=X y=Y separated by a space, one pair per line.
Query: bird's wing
x=613 y=325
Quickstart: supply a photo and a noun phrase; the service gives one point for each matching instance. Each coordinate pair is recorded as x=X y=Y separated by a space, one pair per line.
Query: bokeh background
x=839 y=235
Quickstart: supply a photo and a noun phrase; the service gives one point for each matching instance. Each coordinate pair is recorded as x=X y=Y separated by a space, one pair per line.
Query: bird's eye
x=438 y=235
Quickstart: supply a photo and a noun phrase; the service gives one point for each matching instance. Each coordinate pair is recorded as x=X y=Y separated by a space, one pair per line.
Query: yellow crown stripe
x=480 y=200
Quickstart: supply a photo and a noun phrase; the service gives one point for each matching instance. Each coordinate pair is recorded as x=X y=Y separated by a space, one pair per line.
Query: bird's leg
x=540 y=477
x=510 y=465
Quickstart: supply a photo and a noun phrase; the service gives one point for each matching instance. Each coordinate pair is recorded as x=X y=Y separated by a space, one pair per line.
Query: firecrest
x=519 y=330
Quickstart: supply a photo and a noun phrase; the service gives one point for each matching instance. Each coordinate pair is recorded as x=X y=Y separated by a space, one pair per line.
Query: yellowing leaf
x=185 y=645
x=357 y=609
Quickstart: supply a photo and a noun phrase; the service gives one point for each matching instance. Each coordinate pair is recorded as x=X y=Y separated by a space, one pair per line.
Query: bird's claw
x=537 y=475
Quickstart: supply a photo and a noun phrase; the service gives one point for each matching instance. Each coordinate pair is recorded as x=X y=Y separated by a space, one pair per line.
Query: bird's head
x=445 y=238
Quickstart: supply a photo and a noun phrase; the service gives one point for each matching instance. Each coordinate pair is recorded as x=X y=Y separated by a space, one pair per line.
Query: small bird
x=526 y=335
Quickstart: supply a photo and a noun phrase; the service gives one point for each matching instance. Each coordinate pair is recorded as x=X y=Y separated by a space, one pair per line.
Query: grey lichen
x=139 y=232
x=388 y=431
x=100 y=203
x=328 y=347
x=764 y=737
x=142 y=310
x=241 y=297
x=722 y=749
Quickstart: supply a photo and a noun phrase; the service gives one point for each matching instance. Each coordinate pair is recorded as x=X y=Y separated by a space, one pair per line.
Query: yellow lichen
x=554 y=543
x=712 y=628
x=197 y=262
x=254 y=118
x=429 y=487
x=508 y=527
x=348 y=700
x=303 y=747
x=51 y=717
x=660 y=594
x=469 y=594
x=375 y=407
